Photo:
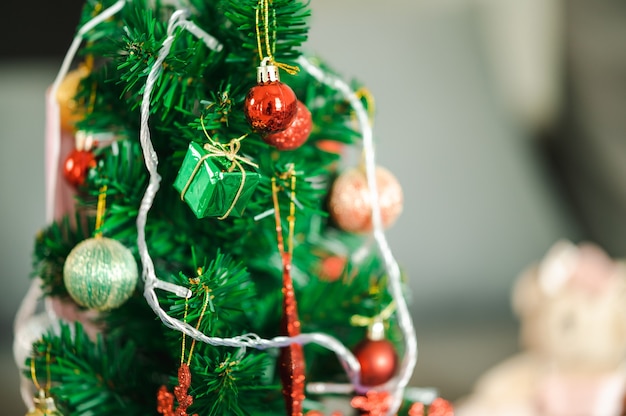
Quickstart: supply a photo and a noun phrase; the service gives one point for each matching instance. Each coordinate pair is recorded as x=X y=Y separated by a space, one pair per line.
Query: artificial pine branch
x=94 y=378
x=224 y=286
x=52 y=246
x=225 y=384
x=289 y=23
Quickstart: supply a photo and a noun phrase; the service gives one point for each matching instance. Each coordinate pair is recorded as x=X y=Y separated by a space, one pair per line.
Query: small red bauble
x=77 y=166
x=331 y=146
x=332 y=268
x=350 y=202
x=270 y=106
x=378 y=361
x=296 y=134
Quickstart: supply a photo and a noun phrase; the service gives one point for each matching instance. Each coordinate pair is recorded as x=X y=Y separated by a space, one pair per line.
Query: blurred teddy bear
x=572 y=311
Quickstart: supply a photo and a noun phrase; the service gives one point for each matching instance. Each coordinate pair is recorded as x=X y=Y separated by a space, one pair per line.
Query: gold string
x=270 y=47
x=292 y=215
x=360 y=320
x=33 y=372
x=364 y=92
x=202 y=312
x=204 y=306
x=102 y=201
x=291 y=219
x=277 y=220
x=266 y=15
x=182 y=352
x=258 y=34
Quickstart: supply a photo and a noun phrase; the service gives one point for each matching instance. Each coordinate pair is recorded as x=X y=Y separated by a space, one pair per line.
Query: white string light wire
x=399 y=383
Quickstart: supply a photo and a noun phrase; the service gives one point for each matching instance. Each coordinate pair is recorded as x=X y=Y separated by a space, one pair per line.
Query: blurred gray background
x=500 y=118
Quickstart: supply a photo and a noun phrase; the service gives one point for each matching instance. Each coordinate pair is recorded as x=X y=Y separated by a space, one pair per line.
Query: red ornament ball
x=270 y=107
x=296 y=134
x=332 y=268
x=77 y=166
x=350 y=202
x=330 y=146
x=378 y=360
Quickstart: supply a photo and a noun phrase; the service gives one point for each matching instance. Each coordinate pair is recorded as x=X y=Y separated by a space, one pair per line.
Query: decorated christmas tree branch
x=91 y=378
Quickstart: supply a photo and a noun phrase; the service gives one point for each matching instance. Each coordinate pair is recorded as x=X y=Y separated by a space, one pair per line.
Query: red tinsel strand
x=165 y=399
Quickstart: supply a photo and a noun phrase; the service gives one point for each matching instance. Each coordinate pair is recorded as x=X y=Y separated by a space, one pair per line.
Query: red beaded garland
x=296 y=134
x=77 y=165
x=378 y=361
x=270 y=107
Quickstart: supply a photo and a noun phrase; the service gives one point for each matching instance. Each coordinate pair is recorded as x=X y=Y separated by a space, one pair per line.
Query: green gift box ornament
x=213 y=181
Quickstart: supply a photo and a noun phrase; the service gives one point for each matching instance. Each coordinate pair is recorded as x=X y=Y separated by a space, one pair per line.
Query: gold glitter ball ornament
x=350 y=202
x=70 y=109
x=100 y=273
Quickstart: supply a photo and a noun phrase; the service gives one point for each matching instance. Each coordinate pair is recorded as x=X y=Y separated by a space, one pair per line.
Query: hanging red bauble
x=80 y=160
x=270 y=106
x=332 y=268
x=378 y=359
x=350 y=202
x=77 y=166
x=296 y=134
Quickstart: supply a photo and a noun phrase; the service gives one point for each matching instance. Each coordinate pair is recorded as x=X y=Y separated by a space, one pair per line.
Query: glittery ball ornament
x=270 y=106
x=44 y=406
x=100 y=273
x=350 y=201
x=296 y=134
x=378 y=359
x=70 y=110
x=77 y=166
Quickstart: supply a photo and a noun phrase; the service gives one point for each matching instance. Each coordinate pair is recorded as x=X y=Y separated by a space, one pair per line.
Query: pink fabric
x=59 y=194
x=595 y=271
x=600 y=395
x=69 y=311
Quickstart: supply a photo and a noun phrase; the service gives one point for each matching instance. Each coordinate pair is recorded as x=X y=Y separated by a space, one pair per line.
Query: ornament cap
x=45 y=404
x=376 y=330
x=266 y=72
x=83 y=140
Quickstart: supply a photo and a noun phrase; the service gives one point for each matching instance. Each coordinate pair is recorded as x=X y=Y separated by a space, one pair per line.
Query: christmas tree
x=208 y=252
